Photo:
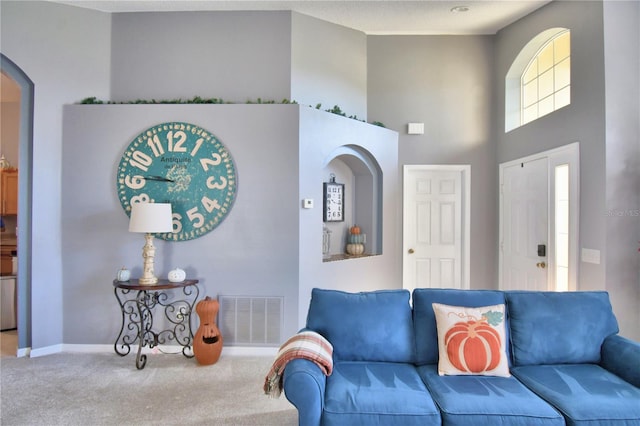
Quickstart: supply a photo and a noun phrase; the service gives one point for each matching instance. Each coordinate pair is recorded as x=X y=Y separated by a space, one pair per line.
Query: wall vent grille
x=251 y=321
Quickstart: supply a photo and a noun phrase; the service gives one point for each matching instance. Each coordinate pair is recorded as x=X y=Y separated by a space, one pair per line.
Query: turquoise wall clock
x=181 y=164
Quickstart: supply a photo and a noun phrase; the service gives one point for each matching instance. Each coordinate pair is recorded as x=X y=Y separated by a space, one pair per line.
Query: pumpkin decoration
x=123 y=275
x=473 y=346
x=355 y=249
x=177 y=275
x=355 y=241
x=207 y=343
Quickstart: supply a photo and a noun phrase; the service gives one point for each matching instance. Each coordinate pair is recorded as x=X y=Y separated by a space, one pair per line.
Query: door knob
x=541 y=265
x=411 y=251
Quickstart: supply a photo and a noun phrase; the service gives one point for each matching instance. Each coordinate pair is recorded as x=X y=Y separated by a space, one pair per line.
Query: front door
x=525 y=225
x=539 y=212
x=435 y=227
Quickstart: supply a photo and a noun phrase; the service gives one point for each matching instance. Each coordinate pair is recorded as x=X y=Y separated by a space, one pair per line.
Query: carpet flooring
x=106 y=389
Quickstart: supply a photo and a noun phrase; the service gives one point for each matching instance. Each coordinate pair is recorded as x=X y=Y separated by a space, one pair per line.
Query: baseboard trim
x=23 y=352
x=76 y=348
x=47 y=350
x=249 y=351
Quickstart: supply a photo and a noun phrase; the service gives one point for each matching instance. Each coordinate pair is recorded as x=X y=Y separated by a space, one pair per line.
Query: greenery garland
x=198 y=100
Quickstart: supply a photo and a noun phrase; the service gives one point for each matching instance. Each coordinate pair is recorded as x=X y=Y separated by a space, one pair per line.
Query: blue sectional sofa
x=566 y=363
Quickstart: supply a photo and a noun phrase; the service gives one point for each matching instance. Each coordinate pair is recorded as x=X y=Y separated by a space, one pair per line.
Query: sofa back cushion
x=424 y=319
x=367 y=326
x=558 y=327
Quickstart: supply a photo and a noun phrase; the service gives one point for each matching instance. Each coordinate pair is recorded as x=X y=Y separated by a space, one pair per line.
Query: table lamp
x=150 y=218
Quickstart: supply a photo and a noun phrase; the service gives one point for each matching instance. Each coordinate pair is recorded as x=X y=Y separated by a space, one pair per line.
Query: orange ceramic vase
x=207 y=343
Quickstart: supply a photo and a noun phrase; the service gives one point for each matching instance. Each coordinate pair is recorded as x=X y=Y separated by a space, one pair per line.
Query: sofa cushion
x=366 y=393
x=484 y=400
x=471 y=340
x=558 y=328
x=424 y=320
x=368 y=326
x=586 y=394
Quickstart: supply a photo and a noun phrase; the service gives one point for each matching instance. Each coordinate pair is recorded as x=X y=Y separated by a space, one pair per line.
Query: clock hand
x=158 y=178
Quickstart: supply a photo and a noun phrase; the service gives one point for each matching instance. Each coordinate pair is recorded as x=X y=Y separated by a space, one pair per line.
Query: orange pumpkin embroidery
x=473 y=346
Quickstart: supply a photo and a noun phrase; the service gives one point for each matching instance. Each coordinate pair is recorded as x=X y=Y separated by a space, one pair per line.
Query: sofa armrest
x=304 y=385
x=621 y=356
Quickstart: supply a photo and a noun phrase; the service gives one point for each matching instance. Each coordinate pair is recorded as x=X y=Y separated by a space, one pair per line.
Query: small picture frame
x=333 y=202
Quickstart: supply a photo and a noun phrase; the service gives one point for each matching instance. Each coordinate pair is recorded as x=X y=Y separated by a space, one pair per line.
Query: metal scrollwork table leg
x=138 y=316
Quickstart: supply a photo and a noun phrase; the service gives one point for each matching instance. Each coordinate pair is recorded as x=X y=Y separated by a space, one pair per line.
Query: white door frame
x=465 y=172
x=567 y=154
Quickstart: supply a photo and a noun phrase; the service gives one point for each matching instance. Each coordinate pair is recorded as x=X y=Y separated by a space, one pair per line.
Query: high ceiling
x=388 y=17
x=399 y=17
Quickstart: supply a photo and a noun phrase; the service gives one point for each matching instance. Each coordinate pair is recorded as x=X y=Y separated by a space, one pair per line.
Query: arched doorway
x=25 y=161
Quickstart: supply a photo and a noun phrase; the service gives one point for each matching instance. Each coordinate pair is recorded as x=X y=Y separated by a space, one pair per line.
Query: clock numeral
x=212 y=184
x=140 y=160
x=177 y=224
x=142 y=198
x=196 y=218
x=134 y=182
x=210 y=204
x=195 y=149
x=206 y=162
x=177 y=146
x=155 y=145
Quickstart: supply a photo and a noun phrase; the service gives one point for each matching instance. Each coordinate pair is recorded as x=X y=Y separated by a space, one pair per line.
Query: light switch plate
x=307 y=203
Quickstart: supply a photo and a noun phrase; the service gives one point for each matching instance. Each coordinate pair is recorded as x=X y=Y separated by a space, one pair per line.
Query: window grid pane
x=531 y=72
x=545 y=58
x=530 y=113
x=562 y=98
x=530 y=93
x=545 y=85
x=562 y=46
x=545 y=106
x=562 y=74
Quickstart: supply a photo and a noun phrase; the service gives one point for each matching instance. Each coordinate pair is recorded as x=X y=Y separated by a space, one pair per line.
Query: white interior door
x=435 y=227
x=525 y=225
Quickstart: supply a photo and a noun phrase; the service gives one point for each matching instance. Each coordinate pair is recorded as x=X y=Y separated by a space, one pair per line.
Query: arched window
x=539 y=80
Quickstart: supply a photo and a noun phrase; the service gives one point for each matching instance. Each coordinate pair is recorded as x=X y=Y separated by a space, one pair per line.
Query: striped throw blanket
x=307 y=345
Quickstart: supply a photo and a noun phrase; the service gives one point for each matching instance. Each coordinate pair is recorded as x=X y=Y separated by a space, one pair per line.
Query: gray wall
x=328 y=66
x=65 y=51
x=445 y=83
x=603 y=118
x=236 y=56
x=253 y=252
x=267 y=246
x=320 y=135
x=622 y=210
x=582 y=121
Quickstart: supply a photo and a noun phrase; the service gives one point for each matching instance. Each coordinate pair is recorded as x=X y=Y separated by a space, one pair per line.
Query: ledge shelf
x=344 y=256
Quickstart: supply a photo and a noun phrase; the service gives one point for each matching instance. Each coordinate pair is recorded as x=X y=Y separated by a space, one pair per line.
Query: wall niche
x=359 y=171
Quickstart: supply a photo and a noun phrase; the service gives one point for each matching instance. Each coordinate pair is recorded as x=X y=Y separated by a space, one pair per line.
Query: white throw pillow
x=471 y=341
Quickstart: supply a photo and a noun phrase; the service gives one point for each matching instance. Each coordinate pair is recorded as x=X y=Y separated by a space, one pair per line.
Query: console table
x=138 y=302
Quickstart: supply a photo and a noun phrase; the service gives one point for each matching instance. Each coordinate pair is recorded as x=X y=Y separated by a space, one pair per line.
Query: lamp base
x=148 y=281
x=148 y=253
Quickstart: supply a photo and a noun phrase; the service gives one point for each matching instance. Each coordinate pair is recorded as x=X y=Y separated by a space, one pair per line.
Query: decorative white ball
x=123 y=275
x=177 y=275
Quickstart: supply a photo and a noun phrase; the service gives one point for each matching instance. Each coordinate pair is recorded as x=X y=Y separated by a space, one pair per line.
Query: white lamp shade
x=150 y=217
